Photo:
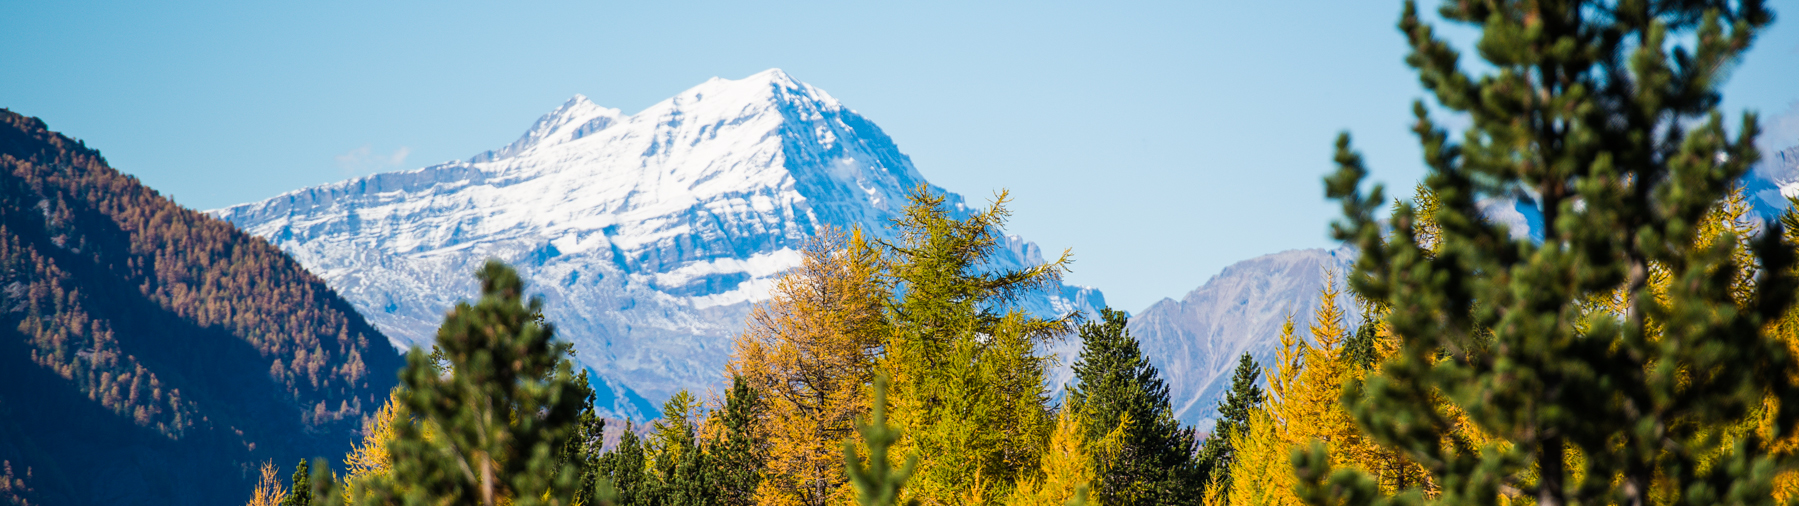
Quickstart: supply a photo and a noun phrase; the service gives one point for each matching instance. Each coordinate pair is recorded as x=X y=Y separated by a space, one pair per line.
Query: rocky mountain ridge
x=649 y=235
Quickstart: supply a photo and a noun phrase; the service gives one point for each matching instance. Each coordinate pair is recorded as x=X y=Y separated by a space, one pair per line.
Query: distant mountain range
x=649 y=235
x=1196 y=341
x=150 y=354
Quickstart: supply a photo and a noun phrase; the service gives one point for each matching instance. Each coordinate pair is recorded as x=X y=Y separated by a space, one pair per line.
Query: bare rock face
x=649 y=235
x=1196 y=341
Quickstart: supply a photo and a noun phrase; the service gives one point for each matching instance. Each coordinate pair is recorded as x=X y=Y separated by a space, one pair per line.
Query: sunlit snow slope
x=649 y=235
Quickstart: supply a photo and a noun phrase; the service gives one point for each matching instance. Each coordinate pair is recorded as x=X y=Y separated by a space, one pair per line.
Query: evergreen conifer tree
x=1216 y=455
x=1116 y=386
x=876 y=482
x=738 y=454
x=584 y=445
x=1596 y=385
x=626 y=468
x=497 y=416
x=301 y=493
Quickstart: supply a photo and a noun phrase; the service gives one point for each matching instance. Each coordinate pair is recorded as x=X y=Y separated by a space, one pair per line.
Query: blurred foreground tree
x=496 y=416
x=1619 y=358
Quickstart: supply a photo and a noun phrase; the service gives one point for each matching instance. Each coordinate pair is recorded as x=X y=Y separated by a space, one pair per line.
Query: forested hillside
x=150 y=354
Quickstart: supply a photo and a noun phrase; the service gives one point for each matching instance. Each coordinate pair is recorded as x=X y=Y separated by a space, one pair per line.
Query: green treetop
x=1216 y=456
x=739 y=452
x=1603 y=114
x=877 y=482
x=967 y=381
x=1116 y=385
x=497 y=417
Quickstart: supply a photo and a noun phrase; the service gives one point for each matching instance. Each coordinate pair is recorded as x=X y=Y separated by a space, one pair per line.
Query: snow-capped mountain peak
x=648 y=234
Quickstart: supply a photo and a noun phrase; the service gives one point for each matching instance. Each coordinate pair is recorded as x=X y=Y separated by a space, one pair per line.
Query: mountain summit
x=648 y=235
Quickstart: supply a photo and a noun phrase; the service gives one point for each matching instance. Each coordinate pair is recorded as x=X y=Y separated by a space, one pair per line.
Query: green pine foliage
x=626 y=467
x=1606 y=114
x=1217 y=455
x=737 y=454
x=877 y=482
x=495 y=418
x=1359 y=349
x=584 y=446
x=1116 y=385
x=300 y=494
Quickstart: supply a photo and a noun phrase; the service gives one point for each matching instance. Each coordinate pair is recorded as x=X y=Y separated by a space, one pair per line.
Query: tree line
x=1642 y=351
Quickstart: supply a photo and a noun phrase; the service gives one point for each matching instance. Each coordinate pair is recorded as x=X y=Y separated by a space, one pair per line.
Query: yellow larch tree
x=369 y=457
x=1066 y=469
x=968 y=384
x=1305 y=387
x=269 y=490
x=810 y=350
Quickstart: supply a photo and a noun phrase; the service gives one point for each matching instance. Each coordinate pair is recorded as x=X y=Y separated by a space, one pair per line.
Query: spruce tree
x=584 y=445
x=626 y=468
x=1360 y=349
x=877 y=482
x=1216 y=455
x=497 y=416
x=1614 y=361
x=1116 y=385
x=301 y=492
x=738 y=454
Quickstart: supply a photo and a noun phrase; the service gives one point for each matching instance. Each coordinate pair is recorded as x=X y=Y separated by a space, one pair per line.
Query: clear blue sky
x=1161 y=141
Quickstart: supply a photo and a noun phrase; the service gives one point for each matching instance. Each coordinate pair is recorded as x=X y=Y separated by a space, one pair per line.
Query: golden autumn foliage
x=1066 y=468
x=269 y=490
x=87 y=252
x=923 y=310
x=811 y=350
x=1305 y=406
x=369 y=458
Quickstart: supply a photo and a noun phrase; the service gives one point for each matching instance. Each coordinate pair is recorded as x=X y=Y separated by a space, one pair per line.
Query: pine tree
x=301 y=492
x=627 y=467
x=738 y=452
x=584 y=445
x=1216 y=455
x=1604 y=115
x=497 y=415
x=1116 y=386
x=876 y=482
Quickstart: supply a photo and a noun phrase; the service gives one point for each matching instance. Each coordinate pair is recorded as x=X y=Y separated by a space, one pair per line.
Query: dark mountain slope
x=150 y=354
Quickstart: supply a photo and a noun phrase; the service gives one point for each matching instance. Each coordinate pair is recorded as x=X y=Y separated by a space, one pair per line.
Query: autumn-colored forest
x=1643 y=350
x=120 y=299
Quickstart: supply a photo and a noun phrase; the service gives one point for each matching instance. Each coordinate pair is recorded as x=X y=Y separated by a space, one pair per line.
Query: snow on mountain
x=1195 y=342
x=1774 y=180
x=648 y=235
